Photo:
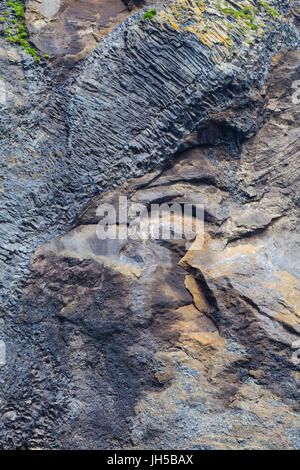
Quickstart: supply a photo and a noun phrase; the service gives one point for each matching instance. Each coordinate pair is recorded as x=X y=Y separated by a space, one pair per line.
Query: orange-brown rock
x=67 y=30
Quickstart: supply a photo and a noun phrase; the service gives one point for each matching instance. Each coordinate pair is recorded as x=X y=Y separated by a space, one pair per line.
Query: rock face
x=143 y=343
x=68 y=30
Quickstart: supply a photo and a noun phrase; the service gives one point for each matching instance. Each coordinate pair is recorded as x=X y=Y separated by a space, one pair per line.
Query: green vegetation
x=149 y=14
x=17 y=7
x=269 y=9
x=246 y=13
x=252 y=26
x=16 y=31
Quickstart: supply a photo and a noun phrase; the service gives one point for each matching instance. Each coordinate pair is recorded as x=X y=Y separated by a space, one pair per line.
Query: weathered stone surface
x=68 y=30
x=141 y=344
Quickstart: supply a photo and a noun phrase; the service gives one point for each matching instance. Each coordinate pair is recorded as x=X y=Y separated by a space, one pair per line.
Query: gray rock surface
x=68 y=30
x=140 y=351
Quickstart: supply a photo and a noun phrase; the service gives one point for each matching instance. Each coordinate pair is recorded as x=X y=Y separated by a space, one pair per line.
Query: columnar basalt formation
x=138 y=344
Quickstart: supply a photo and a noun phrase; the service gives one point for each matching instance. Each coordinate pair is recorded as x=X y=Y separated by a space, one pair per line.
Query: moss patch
x=16 y=31
x=230 y=25
x=149 y=14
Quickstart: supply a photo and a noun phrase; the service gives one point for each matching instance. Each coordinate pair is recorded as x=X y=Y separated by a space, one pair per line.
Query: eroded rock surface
x=68 y=30
x=144 y=344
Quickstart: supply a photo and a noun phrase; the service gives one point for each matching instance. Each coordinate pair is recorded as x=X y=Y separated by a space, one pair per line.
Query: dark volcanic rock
x=141 y=344
x=69 y=30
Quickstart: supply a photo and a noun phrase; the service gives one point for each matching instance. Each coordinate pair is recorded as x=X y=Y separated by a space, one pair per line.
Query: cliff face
x=143 y=344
